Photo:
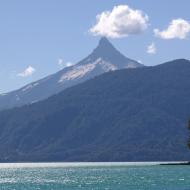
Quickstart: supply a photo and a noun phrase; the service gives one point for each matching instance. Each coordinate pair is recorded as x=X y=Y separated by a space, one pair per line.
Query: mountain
x=127 y=115
x=103 y=59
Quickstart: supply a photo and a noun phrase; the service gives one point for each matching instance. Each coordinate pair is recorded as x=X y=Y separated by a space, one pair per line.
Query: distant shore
x=176 y=164
x=87 y=164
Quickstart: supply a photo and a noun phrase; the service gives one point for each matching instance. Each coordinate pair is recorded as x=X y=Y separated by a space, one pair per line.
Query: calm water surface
x=93 y=176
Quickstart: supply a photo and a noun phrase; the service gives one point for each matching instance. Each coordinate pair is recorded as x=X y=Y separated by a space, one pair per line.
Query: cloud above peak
x=27 y=72
x=120 y=22
x=151 y=49
x=178 y=28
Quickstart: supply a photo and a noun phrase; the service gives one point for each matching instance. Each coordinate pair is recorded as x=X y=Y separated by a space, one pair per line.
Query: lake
x=93 y=176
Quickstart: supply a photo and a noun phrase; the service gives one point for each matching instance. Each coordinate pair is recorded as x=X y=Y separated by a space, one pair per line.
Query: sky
x=38 y=38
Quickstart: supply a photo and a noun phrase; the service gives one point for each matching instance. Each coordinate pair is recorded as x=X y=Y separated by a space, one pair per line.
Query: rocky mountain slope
x=104 y=58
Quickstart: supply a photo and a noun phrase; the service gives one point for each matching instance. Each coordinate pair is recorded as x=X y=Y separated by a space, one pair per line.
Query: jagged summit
x=104 y=40
x=104 y=48
x=108 y=53
x=104 y=43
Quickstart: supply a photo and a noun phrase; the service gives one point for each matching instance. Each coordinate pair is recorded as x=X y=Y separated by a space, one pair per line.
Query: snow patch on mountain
x=80 y=71
x=77 y=72
x=106 y=66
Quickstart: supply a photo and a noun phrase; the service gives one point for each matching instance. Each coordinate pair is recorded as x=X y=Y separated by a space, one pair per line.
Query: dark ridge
x=128 y=115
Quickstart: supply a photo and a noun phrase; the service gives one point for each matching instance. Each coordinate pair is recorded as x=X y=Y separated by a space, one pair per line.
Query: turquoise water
x=93 y=176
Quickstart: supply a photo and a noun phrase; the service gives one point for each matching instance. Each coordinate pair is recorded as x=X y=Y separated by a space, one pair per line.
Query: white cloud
x=68 y=64
x=27 y=72
x=177 y=28
x=140 y=61
x=151 y=49
x=62 y=64
x=120 y=22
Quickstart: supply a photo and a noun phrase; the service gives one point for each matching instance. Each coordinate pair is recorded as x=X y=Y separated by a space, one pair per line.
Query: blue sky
x=37 y=35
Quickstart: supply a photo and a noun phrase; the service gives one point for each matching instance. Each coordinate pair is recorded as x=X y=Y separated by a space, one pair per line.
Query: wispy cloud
x=151 y=49
x=60 y=62
x=178 y=28
x=120 y=22
x=63 y=64
x=27 y=72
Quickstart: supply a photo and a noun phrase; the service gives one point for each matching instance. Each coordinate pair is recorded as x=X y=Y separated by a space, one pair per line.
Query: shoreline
x=89 y=164
x=175 y=164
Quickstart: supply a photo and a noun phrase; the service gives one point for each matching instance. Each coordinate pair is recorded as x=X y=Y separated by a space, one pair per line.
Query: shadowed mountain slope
x=127 y=115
